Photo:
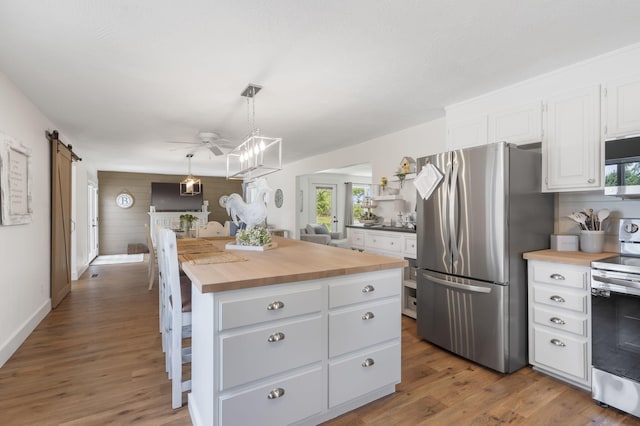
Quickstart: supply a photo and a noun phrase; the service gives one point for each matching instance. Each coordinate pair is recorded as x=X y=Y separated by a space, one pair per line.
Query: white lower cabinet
x=559 y=321
x=361 y=372
x=298 y=353
x=277 y=403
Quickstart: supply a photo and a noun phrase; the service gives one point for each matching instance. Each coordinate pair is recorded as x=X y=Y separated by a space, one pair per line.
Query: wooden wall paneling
x=121 y=227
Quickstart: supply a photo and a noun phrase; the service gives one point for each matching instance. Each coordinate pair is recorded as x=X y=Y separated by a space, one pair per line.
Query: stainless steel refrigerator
x=471 y=291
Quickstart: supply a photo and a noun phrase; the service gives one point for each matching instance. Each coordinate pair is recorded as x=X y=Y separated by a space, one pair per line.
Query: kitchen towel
x=427 y=180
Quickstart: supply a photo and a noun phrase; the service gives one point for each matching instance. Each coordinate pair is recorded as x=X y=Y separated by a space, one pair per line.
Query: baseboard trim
x=77 y=274
x=9 y=347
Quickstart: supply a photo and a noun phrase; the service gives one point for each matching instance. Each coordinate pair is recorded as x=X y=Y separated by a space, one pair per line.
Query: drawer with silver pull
x=363 y=325
x=561 y=320
x=560 y=274
x=561 y=352
x=363 y=372
x=269 y=350
x=272 y=304
x=280 y=402
x=379 y=241
x=559 y=298
x=366 y=287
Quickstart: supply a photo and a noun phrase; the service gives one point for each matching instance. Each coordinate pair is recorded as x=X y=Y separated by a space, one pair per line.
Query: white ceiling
x=122 y=77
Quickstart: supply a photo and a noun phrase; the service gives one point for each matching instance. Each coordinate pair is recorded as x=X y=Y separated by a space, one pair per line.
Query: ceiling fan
x=208 y=140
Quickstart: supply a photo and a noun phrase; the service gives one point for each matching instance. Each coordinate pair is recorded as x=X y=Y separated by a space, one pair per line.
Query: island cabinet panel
x=276 y=403
x=252 y=355
x=271 y=305
x=363 y=325
x=363 y=371
x=251 y=367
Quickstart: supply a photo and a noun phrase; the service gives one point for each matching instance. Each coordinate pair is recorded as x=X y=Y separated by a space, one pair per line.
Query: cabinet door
x=621 y=109
x=571 y=147
x=519 y=125
x=466 y=133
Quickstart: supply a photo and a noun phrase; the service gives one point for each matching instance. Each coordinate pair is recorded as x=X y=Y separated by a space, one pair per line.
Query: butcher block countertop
x=291 y=261
x=570 y=257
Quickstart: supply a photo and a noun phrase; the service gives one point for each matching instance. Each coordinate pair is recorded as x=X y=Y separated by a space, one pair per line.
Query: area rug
x=111 y=259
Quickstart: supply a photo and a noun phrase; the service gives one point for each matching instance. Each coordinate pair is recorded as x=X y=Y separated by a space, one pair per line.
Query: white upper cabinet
x=518 y=125
x=467 y=132
x=621 y=108
x=571 y=146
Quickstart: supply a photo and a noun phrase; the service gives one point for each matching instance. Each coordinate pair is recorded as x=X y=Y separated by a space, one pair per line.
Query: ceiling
x=120 y=78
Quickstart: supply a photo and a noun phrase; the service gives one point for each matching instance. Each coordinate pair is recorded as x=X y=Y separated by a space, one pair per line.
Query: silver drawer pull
x=368 y=316
x=368 y=362
x=557 y=299
x=557 y=320
x=368 y=288
x=556 y=277
x=276 y=337
x=274 y=306
x=557 y=342
x=275 y=393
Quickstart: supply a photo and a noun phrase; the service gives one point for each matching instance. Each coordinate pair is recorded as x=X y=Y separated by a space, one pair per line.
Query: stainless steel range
x=615 y=310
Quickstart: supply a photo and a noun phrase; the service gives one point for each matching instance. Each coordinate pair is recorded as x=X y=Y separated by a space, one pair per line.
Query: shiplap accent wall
x=121 y=227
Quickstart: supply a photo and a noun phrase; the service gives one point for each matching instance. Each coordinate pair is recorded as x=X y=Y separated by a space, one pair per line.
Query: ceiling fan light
x=262 y=145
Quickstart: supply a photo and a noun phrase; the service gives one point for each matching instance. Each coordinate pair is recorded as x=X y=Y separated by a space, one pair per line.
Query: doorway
x=92 y=201
x=325 y=209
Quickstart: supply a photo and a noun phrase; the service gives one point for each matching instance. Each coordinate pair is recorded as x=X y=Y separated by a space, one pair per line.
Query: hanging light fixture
x=190 y=185
x=257 y=155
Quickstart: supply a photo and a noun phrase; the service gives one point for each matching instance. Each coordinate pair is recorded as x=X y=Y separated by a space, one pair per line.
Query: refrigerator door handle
x=453 y=190
x=443 y=207
x=467 y=287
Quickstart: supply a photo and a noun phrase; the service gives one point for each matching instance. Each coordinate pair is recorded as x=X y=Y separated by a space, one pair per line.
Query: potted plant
x=186 y=222
x=256 y=236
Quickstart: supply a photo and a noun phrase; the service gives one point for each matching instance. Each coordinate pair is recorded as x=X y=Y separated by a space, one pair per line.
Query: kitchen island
x=298 y=334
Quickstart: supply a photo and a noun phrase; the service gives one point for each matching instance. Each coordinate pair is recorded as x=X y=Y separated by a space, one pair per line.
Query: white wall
x=25 y=249
x=384 y=153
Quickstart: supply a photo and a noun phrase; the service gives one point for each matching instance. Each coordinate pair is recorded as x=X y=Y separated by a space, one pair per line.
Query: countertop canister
x=592 y=241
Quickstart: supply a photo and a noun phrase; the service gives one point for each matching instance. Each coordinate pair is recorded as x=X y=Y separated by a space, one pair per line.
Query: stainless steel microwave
x=622 y=167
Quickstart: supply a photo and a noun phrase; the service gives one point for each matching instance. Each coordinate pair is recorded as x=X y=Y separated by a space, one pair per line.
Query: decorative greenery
x=256 y=236
x=189 y=218
x=367 y=215
x=186 y=221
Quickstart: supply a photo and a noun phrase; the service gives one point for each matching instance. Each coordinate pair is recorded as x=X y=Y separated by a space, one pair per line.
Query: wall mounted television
x=165 y=197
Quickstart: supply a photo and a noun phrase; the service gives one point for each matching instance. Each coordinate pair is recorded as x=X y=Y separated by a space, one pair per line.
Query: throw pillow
x=320 y=228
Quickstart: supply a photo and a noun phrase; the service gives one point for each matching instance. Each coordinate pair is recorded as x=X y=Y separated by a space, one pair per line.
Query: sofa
x=319 y=234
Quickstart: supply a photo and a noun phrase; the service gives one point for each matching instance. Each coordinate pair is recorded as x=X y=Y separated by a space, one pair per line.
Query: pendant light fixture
x=257 y=155
x=190 y=186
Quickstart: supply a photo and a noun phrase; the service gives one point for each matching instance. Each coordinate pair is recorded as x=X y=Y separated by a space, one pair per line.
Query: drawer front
x=364 y=288
x=575 y=301
x=557 y=274
x=302 y=398
x=362 y=373
x=356 y=238
x=388 y=243
x=363 y=325
x=570 y=359
x=269 y=305
x=251 y=356
x=410 y=247
x=560 y=319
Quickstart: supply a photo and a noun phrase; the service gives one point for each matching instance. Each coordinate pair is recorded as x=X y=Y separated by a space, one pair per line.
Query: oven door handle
x=467 y=287
x=624 y=283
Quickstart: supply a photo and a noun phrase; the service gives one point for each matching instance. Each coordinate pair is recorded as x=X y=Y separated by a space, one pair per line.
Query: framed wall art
x=15 y=182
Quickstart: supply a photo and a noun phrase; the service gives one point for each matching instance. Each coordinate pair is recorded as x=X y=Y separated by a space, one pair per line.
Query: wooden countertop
x=570 y=257
x=292 y=260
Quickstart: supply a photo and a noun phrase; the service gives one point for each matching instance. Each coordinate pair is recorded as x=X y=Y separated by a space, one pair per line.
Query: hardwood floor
x=97 y=360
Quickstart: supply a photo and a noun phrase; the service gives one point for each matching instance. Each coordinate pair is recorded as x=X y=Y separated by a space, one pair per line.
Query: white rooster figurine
x=253 y=213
